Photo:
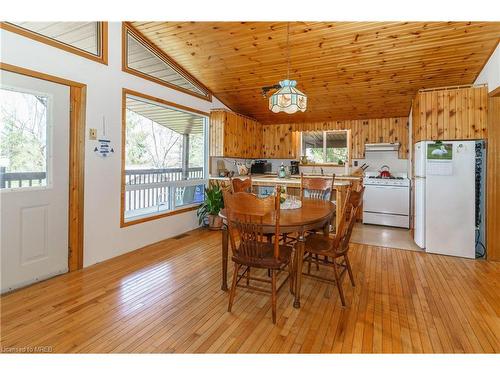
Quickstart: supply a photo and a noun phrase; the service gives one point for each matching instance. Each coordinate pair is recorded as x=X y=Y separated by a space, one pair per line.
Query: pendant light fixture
x=288 y=98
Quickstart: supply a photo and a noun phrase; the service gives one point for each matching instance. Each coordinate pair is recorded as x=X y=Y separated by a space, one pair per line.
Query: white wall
x=491 y=71
x=103 y=237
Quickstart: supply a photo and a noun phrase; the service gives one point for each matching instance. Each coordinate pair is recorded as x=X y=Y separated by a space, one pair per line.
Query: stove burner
x=387 y=178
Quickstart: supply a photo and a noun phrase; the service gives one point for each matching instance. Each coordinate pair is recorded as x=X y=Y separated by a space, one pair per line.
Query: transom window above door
x=88 y=39
x=325 y=147
x=165 y=158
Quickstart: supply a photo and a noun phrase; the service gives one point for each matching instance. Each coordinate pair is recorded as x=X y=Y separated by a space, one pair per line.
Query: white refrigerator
x=445 y=197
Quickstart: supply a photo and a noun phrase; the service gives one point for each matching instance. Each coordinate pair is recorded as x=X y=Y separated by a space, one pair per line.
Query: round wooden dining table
x=313 y=215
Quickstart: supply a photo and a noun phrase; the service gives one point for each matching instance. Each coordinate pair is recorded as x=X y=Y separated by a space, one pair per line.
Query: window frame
x=102 y=57
x=325 y=132
x=127 y=28
x=181 y=183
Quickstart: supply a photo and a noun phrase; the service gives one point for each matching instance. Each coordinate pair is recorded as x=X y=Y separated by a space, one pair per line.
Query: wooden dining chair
x=335 y=250
x=316 y=187
x=245 y=219
x=239 y=185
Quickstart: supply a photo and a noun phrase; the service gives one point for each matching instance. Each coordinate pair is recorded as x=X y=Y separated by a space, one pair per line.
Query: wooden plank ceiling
x=349 y=70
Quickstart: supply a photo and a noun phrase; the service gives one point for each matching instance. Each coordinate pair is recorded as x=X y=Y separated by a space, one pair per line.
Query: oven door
x=386 y=199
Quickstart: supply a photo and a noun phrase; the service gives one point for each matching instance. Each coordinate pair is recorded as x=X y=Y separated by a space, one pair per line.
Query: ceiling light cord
x=288 y=49
x=288 y=98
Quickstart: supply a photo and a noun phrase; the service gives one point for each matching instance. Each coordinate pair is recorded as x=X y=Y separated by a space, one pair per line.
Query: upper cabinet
x=233 y=135
x=450 y=114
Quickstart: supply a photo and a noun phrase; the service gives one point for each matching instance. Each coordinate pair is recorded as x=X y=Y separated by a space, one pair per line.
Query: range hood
x=369 y=147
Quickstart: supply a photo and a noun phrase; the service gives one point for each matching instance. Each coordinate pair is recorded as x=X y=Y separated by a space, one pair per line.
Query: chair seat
x=267 y=260
x=320 y=244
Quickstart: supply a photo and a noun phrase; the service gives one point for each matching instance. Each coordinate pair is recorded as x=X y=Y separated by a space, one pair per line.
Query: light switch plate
x=93 y=134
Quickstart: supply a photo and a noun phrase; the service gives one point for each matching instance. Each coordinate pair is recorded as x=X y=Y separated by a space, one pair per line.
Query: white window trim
x=325 y=132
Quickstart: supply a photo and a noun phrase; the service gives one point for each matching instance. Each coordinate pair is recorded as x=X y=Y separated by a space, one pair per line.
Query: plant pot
x=214 y=222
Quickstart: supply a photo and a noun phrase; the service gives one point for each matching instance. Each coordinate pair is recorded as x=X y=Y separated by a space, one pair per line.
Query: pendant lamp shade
x=288 y=98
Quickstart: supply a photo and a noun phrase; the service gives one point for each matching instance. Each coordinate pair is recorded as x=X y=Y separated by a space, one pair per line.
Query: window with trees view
x=325 y=147
x=165 y=158
x=23 y=139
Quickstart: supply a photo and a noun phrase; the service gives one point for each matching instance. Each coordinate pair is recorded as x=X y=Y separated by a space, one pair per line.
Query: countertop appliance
x=261 y=167
x=449 y=197
x=294 y=167
x=387 y=200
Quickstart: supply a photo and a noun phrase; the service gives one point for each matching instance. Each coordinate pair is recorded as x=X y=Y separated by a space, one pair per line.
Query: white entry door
x=34 y=178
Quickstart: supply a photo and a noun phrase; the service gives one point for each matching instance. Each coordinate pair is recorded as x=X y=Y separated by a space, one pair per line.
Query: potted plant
x=210 y=208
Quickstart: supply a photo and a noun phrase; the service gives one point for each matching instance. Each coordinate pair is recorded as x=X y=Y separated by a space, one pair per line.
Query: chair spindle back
x=351 y=208
x=316 y=187
x=246 y=214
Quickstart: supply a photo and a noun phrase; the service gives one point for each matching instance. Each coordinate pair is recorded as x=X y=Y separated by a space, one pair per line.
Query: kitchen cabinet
x=456 y=113
x=279 y=142
x=234 y=135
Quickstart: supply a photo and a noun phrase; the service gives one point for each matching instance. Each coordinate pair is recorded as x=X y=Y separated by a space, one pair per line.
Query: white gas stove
x=387 y=200
x=387 y=181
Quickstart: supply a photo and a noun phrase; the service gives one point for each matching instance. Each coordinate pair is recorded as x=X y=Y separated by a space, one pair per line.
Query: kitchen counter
x=270 y=180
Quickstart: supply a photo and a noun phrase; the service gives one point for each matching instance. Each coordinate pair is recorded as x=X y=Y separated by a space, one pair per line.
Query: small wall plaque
x=104 y=148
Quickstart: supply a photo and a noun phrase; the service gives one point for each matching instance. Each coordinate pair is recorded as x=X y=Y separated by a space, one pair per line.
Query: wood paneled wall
x=216 y=133
x=233 y=135
x=392 y=129
x=450 y=114
x=493 y=180
x=279 y=141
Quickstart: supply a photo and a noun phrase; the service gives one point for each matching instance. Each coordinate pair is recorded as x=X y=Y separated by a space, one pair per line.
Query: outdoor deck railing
x=151 y=188
x=144 y=188
x=20 y=179
x=150 y=176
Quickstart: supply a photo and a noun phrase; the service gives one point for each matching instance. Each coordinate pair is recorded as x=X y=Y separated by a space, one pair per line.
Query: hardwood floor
x=167 y=298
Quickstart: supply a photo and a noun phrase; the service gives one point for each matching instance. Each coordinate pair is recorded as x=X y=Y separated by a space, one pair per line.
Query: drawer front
x=386 y=219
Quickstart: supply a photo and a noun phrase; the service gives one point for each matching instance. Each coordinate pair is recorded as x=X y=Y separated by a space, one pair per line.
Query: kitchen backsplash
x=377 y=159
x=230 y=163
